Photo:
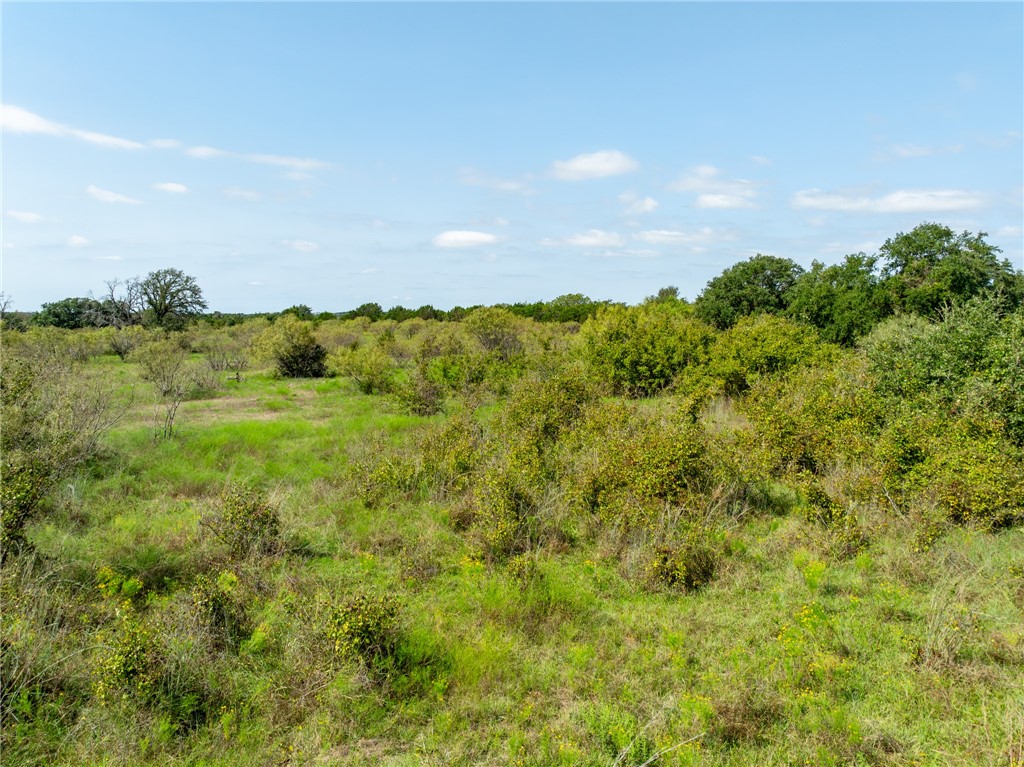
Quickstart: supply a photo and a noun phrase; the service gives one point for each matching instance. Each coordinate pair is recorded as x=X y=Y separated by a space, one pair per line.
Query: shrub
x=641 y=350
x=689 y=565
x=366 y=629
x=811 y=418
x=419 y=394
x=290 y=344
x=761 y=346
x=624 y=465
x=370 y=367
x=124 y=341
x=52 y=416
x=131 y=661
x=221 y=609
x=245 y=521
x=497 y=330
x=508 y=502
x=451 y=452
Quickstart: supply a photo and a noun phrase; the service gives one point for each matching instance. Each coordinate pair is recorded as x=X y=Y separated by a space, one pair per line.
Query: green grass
x=789 y=656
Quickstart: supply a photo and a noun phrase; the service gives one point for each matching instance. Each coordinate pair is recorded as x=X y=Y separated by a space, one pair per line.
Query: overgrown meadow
x=640 y=539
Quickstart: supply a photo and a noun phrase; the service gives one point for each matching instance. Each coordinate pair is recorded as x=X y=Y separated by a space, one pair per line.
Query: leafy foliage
x=843 y=300
x=641 y=350
x=245 y=520
x=932 y=267
x=759 y=284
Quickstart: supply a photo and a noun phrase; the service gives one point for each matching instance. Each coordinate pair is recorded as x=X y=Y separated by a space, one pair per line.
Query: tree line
x=919 y=272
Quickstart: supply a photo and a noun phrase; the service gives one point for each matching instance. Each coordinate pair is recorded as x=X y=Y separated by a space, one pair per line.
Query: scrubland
x=643 y=540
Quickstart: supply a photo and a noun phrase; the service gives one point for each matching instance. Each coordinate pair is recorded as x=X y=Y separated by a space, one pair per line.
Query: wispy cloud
x=104 y=195
x=901 y=201
x=628 y=253
x=610 y=162
x=204 y=152
x=164 y=143
x=302 y=246
x=299 y=166
x=172 y=187
x=295 y=163
x=592 y=238
x=474 y=177
x=17 y=120
x=674 y=237
x=25 y=216
x=237 y=193
x=911 y=151
x=77 y=241
x=636 y=205
x=714 y=191
x=463 y=239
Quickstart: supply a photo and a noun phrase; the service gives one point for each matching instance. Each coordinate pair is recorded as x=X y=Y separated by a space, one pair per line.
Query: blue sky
x=333 y=154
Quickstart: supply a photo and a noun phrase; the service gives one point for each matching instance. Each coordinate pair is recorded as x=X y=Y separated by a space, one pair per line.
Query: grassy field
x=381 y=628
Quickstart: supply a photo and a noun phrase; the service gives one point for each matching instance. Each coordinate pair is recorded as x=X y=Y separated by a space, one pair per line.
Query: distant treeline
x=920 y=272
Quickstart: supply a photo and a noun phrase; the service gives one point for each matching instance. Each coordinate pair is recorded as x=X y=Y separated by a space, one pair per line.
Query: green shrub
x=451 y=452
x=370 y=367
x=366 y=629
x=811 y=418
x=221 y=608
x=507 y=499
x=624 y=464
x=52 y=415
x=131 y=661
x=497 y=330
x=688 y=565
x=158 y=663
x=641 y=350
x=292 y=347
x=245 y=521
x=420 y=394
x=762 y=346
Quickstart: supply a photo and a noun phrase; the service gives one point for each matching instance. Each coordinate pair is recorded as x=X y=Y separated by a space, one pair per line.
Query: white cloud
x=463 y=239
x=303 y=246
x=965 y=81
x=473 y=177
x=104 y=195
x=902 y=201
x=17 y=120
x=636 y=205
x=77 y=241
x=610 y=162
x=204 y=152
x=255 y=283
x=909 y=151
x=237 y=193
x=723 y=202
x=699 y=237
x=369 y=270
x=596 y=238
x=25 y=216
x=295 y=163
x=628 y=253
x=165 y=143
x=1010 y=231
x=760 y=160
x=713 y=191
x=172 y=187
